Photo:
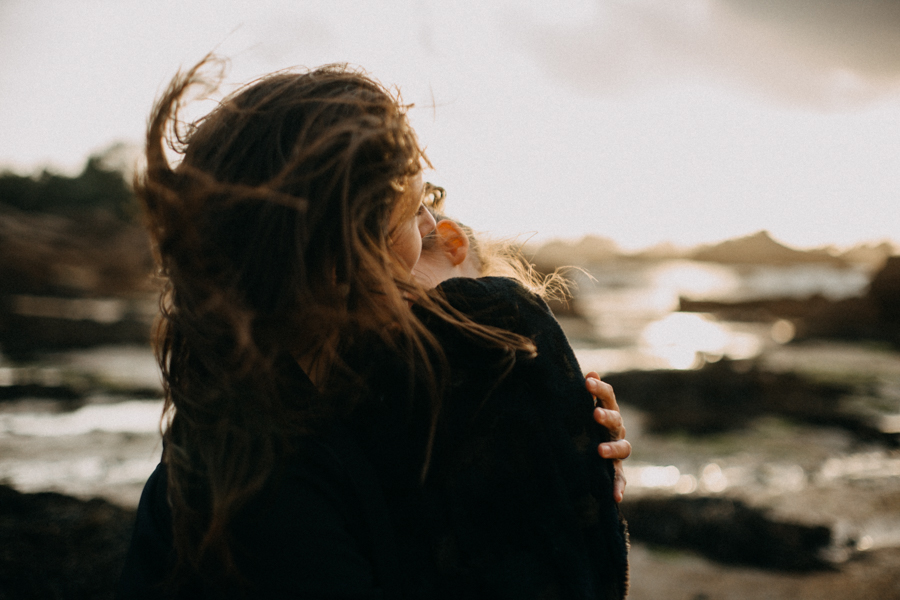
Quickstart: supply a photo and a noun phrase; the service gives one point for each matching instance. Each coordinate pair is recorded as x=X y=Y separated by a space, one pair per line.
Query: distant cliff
x=761 y=249
x=756 y=249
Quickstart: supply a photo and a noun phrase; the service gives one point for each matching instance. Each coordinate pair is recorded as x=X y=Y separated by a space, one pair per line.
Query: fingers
x=619 y=483
x=618 y=450
x=612 y=420
x=601 y=390
x=607 y=414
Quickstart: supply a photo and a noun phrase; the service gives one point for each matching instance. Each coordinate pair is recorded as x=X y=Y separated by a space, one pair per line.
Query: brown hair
x=272 y=237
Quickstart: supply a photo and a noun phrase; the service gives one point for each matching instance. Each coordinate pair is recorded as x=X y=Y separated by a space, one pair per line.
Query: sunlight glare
x=713 y=479
x=783 y=331
x=688 y=340
x=657 y=477
x=696 y=280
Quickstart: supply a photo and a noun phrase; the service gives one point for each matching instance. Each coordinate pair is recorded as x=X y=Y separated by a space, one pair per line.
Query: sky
x=644 y=121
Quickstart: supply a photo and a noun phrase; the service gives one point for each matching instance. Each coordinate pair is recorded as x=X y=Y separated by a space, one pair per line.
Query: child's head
x=451 y=250
x=454 y=250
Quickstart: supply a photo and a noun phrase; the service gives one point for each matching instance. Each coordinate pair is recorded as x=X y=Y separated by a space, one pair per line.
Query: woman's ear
x=453 y=240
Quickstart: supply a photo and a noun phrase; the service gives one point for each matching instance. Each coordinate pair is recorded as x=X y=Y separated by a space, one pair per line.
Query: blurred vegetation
x=69 y=236
x=98 y=188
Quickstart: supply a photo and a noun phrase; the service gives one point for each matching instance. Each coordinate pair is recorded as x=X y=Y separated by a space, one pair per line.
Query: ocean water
x=632 y=310
x=106 y=444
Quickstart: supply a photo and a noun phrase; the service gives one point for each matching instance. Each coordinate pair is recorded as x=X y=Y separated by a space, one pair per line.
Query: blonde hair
x=495 y=257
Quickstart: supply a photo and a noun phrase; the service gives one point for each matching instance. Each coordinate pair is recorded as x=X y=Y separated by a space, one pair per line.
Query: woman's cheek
x=407 y=244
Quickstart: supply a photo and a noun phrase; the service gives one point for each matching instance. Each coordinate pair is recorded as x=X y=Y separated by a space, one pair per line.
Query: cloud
x=828 y=54
x=285 y=36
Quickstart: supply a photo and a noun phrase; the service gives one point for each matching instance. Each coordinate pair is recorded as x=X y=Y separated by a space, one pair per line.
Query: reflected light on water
x=42 y=474
x=783 y=331
x=867 y=465
x=133 y=416
x=687 y=340
x=661 y=478
x=695 y=280
x=672 y=280
x=103 y=310
x=785 y=477
x=713 y=479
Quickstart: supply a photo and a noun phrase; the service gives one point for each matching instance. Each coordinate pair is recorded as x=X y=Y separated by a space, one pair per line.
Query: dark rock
x=64 y=263
x=767 y=309
x=34 y=390
x=94 y=254
x=852 y=319
x=713 y=399
x=56 y=546
x=727 y=395
x=884 y=292
x=727 y=531
x=22 y=336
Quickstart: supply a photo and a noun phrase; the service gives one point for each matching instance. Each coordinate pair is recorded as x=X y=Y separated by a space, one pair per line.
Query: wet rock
x=728 y=531
x=848 y=319
x=24 y=334
x=728 y=395
x=713 y=399
x=884 y=292
x=87 y=254
x=72 y=280
x=56 y=546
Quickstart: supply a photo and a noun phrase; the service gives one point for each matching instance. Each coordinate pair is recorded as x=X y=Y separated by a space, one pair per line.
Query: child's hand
x=607 y=414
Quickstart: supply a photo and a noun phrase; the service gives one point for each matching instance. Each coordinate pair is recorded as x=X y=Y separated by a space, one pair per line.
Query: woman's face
x=407 y=232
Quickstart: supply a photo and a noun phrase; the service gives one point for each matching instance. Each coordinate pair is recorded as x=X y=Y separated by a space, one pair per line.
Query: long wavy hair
x=272 y=234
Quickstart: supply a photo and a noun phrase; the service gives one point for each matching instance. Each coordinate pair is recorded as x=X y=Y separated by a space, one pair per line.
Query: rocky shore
x=54 y=546
x=72 y=281
x=784 y=486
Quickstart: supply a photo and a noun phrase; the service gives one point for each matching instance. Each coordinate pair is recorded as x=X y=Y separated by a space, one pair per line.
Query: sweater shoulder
x=496 y=301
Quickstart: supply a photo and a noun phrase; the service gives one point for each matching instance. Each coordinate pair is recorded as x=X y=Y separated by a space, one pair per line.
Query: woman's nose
x=426 y=223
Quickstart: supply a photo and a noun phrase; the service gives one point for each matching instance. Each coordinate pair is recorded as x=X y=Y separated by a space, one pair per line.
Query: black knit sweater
x=516 y=502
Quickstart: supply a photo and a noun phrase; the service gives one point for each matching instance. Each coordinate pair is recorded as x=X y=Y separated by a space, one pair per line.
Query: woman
x=305 y=398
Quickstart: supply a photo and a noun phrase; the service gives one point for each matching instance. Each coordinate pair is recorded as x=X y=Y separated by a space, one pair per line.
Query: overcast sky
x=640 y=120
